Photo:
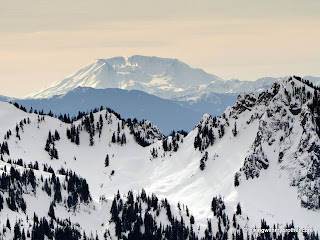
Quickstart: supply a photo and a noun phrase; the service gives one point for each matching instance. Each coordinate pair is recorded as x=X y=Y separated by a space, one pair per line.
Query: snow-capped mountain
x=257 y=166
x=163 y=77
x=148 y=74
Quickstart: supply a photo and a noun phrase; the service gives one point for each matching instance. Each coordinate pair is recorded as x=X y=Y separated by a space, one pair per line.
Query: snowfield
x=274 y=193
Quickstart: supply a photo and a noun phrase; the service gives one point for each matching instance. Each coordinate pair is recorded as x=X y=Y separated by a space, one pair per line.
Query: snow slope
x=265 y=126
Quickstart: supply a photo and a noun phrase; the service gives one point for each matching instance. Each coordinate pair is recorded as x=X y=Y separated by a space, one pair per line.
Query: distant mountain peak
x=149 y=74
x=167 y=78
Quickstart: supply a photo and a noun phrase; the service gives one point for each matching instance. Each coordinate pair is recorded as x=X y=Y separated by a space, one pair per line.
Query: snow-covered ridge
x=273 y=137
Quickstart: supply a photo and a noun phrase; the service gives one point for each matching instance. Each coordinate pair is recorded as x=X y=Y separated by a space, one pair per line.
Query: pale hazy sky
x=43 y=41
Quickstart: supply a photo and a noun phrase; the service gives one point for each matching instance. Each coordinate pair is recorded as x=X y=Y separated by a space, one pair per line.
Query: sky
x=45 y=41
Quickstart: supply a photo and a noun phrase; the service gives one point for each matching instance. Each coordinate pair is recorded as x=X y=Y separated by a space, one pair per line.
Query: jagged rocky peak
x=288 y=136
x=145 y=132
x=281 y=91
x=208 y=128
x=249 y=100
x=287 y=123
x=244 y=102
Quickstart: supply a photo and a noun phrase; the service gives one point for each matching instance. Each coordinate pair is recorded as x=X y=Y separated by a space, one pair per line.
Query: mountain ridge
x=168 y=115
x=189 y=170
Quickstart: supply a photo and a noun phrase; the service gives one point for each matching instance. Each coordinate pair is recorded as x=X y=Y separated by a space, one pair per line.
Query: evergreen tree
x=23 y=235
x=51 y=211
x=234 y=221
x=56 y=135
x=91 y=142
x=123 y=139
x=113 y=139
x=57 y=190
x=47 y=147
x=221 y=130
x=1 y=202
x=118 y=138
x=8 y=224
x=114 y=210
x=165 y=145
x=106 y=161
x=197 y=141
x=192 y=219
x=238 y=212
x=36 y=165
x=53 y=152
x=77 y=140
x=50 y=137
x=236 y=179
x=46 y=188
x=17 y=132
x=211 y=136
x=17 y=231
x=202 y=164
x=91 y=117
x=234 y=130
